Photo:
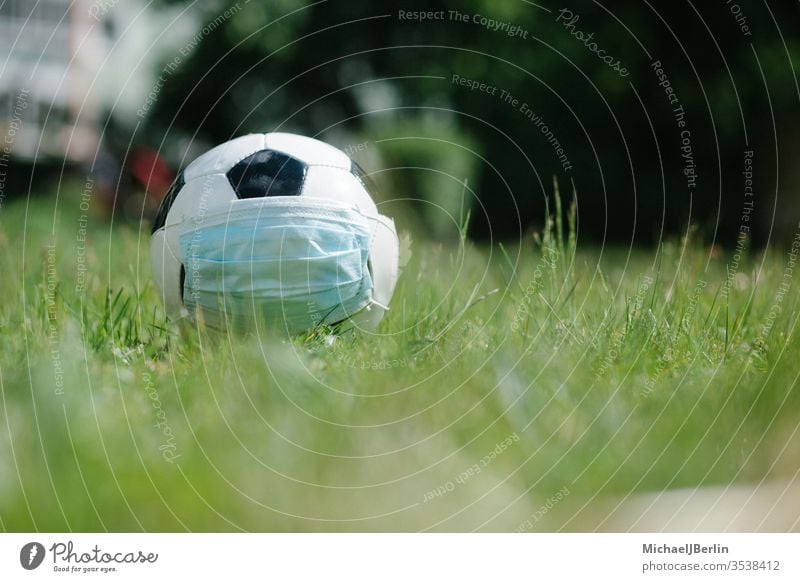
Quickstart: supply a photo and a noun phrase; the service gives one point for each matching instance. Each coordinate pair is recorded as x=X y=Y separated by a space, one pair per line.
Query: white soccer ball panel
x=384 y=257
x=166 y=273
x=223 y=157
x=194 y=199
x=340 y=185
x=308 y=150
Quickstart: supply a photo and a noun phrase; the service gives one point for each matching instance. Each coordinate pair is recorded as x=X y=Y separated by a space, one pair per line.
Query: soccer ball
x=270 y=165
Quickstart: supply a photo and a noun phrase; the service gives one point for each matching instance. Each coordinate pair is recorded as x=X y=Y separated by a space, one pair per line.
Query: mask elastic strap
x=380 y=305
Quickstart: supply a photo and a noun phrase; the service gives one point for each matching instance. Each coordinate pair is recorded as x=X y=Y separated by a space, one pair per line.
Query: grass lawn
x=506 y=381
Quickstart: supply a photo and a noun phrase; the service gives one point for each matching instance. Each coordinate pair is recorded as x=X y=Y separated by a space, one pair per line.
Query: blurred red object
x=151 y=172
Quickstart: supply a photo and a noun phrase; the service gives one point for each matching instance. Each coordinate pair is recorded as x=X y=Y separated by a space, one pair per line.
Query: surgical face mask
x=293 y=262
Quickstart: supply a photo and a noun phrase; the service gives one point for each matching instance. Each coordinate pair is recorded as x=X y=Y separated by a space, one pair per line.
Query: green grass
x=602 y=371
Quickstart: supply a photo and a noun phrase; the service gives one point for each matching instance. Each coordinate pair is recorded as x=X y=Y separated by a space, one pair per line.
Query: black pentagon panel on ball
x=163 y=208
x=365 y=180
x=267 y=173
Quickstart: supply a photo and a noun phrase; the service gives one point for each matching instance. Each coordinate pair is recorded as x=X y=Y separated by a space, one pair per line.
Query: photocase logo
x=31 y=555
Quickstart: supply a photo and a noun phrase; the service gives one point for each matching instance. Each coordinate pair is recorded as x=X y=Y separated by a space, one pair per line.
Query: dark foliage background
x=346 y=71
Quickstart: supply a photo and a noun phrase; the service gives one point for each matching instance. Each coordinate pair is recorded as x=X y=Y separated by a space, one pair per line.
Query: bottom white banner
x=389 y=557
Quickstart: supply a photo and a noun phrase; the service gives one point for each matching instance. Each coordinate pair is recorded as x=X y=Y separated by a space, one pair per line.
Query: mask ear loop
x=375 y=303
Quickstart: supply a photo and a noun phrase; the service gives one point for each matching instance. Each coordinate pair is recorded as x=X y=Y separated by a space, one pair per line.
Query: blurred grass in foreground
x=502 y=378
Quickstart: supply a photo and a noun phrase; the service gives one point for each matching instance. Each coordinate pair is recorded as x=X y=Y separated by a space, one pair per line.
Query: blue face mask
x=294 y=262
